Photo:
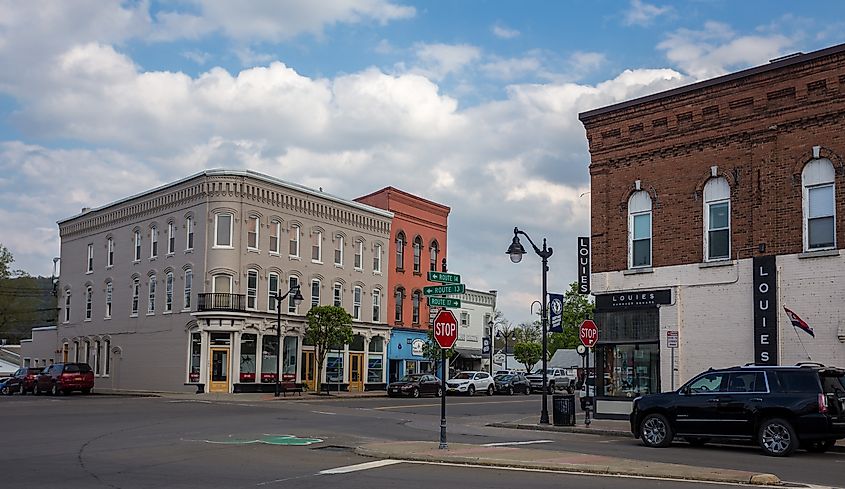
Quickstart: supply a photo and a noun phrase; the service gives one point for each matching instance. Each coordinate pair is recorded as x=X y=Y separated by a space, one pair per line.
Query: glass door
x=219 y=370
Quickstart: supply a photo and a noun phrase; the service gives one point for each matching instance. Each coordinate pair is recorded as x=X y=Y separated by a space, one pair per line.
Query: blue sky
x=469 y=103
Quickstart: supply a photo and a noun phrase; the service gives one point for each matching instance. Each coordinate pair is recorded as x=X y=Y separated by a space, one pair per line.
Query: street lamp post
x=297 y=298
x=516 y=250
x=491 y=336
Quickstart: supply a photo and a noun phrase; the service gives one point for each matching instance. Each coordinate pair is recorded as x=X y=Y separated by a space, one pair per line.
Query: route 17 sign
x=446 y=329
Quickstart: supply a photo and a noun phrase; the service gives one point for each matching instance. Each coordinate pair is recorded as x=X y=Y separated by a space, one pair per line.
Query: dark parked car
x=511 y=383
x=23 y=380
x=778 y=408
x=416 y=385
x=62 y=378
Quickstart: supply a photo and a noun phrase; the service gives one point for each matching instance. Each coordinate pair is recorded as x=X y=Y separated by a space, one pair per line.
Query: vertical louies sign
x=765 y=311
x=583 y=265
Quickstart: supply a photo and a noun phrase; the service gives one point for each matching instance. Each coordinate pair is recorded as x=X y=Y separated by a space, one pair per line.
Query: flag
x=798 y=322
x=556 y=313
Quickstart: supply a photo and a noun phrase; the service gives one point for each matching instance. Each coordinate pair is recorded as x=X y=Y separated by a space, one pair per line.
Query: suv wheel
x=471 y=390
x=655 y=431
x=777 y=437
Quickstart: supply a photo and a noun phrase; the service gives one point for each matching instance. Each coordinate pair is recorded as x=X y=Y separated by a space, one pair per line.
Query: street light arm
x=544 y=253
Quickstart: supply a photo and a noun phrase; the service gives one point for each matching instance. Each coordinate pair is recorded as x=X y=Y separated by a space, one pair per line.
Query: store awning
x=474 y=354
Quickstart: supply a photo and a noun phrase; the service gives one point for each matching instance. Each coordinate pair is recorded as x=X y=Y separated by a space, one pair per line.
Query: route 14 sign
x=446 y=329
x=589 y=333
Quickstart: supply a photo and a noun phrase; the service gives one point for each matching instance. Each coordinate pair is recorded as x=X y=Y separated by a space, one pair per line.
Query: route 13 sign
x=556 y=313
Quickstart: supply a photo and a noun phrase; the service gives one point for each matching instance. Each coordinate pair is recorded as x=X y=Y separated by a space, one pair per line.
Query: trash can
x=563 y=409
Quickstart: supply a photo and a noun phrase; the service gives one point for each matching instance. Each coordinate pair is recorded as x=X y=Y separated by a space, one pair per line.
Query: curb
x=594 y=469
x=564 y=429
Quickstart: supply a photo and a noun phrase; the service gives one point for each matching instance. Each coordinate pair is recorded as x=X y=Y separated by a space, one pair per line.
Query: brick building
x=709 y=202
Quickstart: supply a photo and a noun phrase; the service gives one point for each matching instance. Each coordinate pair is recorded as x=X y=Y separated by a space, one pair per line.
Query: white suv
x=470 y=383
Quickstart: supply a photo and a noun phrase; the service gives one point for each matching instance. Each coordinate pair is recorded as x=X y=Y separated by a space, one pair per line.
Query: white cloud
x=503 y=32
x=197 y=57
x=436 y=61
x=717 y=49
x=511 y=68
x=641 y=13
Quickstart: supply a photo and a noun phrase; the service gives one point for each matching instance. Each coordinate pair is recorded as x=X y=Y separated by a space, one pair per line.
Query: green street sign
x=444 y=289
x=444 y=278
x=443 y=302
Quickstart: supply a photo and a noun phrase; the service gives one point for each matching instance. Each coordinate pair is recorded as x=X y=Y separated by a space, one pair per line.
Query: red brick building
x=417 y=246
x=709 y=201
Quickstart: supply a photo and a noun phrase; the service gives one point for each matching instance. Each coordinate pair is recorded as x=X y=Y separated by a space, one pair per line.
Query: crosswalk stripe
x=364 y=466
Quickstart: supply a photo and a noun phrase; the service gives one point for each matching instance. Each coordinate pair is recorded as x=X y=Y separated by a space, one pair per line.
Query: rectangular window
x=189 y=227
x=249 y=346
x=294 y=241
x=375 y=368
x=272 y=290
x=289 y=358
x=334 y=367
x=718 y=231
x=338 y=252
x=464 y=319
x=315 y=293
x=137 y=245
x=252 y=233
x=196 y=355
x=820 y=217
x=641 y=240
x=189 y=284
x=168 y=292
x=97 y=357
x=337 y=295
x=153 y=242
x=317 y=247
x=223 y=230
x=136 y=292
x=171 y=239
x=151 y=305
x=110 y=252
x=356 y=304
x=359 y=254
x=251 y=289
x=415 y=307
x=107 y=357
x=109 y=290
x=275 y=229
x=376 y=305
x=90 y=267
x=292 y=282
x=89 y=292
x=377 y=259
x=269 y=357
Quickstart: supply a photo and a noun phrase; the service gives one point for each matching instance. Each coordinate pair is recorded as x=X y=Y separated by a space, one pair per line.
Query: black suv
x=779 y=408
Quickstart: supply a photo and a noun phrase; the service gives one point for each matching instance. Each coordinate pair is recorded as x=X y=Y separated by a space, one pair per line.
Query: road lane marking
x=507 y=443
x=453 y=405
x=363 y=466
x=323 y=412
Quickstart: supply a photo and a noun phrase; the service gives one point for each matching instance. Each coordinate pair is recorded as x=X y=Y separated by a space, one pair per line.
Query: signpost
x=446 y=334
x=672 y=344
x=589 y=334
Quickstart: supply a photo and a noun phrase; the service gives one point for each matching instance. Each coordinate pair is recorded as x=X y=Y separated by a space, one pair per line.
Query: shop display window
x=289 y=359
x=375 y=369
x=269 y=354
x=248 y=349
x=631 y=370
x=334 y=367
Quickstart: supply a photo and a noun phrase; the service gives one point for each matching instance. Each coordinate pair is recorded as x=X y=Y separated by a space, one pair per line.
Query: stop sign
x=589 y=333
x=445 y=329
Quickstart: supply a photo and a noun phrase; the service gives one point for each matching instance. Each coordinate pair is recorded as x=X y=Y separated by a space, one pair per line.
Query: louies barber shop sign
x=633 y=300
x=765 y=311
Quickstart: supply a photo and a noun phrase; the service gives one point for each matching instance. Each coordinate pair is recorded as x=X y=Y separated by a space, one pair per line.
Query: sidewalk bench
x=286 y=387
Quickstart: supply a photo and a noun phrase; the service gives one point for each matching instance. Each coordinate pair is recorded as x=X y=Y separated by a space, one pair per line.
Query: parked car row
x=59 y=378
x=470 y=383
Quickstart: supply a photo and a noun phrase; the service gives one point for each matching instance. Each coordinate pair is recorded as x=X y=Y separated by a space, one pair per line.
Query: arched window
x=399 y=298
x=315 y=292
x=67 y=306
x=819 y=205
x=415 y=303
x=151 y=303
x=89 y=293
x=168 y=292
x=136 y=294
x=186 y=293
x=433 y=251
x=252 y=289
x=376 y=305
x=639 y=230
x=717 y=220
x=400 y=251
x=223 y=230
x=153 y=242
x=417 y=253
x=109 y=293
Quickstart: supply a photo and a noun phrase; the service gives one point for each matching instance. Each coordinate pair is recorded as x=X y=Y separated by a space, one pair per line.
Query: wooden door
x=219 y=370
x=309 y=369
x=356 y=372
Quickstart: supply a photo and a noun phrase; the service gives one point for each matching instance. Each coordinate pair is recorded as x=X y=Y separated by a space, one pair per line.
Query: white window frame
x=359 y=254
x=109 y=295
x=171 y=239
x=401 y=241
x=137 y=245
x=376 y=305
x=317 y=245
x=417 y=248
x=275 y=233
x=337 y=294
x=151 y=295
x=293 y=241
x=109 y=252
x=357 y=293
x=228 y=280
x=716 y=192
x=293 y=281
x=252 y=291
x=253 y=228
x=636 y=207
x=189 y=233
x=89 y=302
x=377 y=259
x=153 y=242
x=90 y=263
x=817 y=174
x=187 y=289
x=272 y=292
x=136 y=297
x=315 y=300
x=338 y=252
x=231 y=227
x=416 y=306
x=168 y=292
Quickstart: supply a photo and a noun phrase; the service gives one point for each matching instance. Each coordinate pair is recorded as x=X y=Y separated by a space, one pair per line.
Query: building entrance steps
x=510 y=457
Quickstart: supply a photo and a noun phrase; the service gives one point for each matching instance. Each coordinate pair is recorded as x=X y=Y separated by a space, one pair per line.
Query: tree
x=528 y=353
x=576 y=308
x=529 y=332
x=327 y=326
x=6 y=260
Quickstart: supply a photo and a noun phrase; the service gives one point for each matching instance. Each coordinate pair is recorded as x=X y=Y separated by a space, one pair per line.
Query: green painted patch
x=290 y=440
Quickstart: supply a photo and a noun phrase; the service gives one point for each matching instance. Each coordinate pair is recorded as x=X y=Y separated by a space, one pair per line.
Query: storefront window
x=410 y=367
x=375 y=368
x=269 y=354
x=289 y=359
x=196 y=352
x=249 y=343
x=631 y=370
x=334 y=367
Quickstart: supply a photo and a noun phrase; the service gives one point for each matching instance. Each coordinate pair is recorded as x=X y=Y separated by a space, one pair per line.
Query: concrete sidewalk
x=246 y=397
x=527 y=458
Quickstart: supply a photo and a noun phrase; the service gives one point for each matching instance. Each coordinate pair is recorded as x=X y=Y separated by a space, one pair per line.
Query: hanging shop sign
x=765 y=310
x=640 y=299
x=583 y=265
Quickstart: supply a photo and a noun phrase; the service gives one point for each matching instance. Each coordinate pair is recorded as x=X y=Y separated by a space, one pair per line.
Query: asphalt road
x=125 y=442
